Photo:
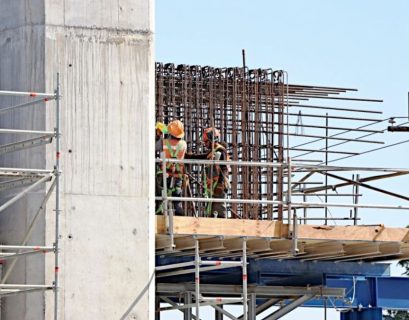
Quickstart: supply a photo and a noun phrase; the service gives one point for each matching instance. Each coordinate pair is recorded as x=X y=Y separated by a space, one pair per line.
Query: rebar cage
x=257 y=111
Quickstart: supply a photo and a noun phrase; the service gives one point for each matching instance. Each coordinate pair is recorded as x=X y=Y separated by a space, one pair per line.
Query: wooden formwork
x=268 y=239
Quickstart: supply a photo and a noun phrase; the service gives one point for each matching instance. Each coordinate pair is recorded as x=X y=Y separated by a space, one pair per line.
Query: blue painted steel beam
x=367 y=285
x=366 y=314
x=285 y=272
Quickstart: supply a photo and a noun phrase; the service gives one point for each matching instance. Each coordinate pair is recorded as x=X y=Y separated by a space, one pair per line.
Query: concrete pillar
x=105 y=55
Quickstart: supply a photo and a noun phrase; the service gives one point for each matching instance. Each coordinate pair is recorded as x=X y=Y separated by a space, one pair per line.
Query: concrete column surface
x=104 y=52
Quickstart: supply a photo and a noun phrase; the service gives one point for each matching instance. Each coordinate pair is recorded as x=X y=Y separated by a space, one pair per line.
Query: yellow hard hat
x=160 y=126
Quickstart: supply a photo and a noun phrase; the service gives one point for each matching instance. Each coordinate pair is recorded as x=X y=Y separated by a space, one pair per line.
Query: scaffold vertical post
x=356 y=199
x=244 y=267
x=187 y=313
x=304 y=198
x=197 y=278
x=57 y=194
x=288 y=195
x=252 y=306
x=157 y=308
x=165 y=204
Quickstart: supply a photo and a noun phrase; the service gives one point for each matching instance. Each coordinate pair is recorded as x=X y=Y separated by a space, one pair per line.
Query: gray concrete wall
x=104 y=53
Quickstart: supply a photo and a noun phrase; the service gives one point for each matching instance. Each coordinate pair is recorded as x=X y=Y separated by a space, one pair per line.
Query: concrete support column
x=104 y=53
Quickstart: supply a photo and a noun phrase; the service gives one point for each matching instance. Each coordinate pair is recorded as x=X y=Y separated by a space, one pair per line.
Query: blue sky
x=359 y=44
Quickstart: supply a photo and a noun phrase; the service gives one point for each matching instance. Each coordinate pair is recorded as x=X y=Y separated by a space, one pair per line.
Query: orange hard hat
x=175 y=129
x=211 y=134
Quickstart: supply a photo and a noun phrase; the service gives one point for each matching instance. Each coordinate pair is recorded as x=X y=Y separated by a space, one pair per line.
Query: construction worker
x=175 y=147
x=216 y=177
x=160 y=130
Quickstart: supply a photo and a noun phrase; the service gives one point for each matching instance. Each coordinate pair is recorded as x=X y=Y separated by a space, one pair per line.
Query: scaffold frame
x=30 y=178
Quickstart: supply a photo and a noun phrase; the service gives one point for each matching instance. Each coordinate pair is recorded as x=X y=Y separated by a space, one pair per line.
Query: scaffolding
x=24 y=180
x=264 y=118
x=257 y=112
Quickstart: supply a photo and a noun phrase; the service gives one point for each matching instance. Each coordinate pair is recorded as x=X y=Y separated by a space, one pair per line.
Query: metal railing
x=290 y=206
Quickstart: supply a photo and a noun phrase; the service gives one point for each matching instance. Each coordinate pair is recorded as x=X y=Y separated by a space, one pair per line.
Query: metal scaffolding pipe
x=289 y=307
x=23 y=193
x=244 y=275
x=27 y=94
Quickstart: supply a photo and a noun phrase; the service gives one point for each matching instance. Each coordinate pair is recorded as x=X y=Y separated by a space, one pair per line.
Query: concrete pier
x=104 y=52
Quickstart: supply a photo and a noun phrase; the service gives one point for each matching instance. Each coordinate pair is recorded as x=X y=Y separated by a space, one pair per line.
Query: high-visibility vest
x=215 y=174
x=175 y=149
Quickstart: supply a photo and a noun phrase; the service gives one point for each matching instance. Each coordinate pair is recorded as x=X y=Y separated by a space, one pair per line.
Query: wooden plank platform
x=268 y=239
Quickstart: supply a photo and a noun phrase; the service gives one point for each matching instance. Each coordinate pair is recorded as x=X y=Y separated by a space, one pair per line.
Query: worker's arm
x=200 y=156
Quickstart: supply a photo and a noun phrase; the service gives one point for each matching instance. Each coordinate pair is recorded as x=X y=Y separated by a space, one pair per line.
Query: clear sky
x=359 y=44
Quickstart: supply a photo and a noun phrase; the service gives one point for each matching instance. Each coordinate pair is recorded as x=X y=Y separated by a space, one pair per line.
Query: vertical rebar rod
x=57 y=194
x=288 y=196
x=326 y=163
x=197 y=278
x=244 y=267
x=304 y=199
x=280 y=141
x=244 y=136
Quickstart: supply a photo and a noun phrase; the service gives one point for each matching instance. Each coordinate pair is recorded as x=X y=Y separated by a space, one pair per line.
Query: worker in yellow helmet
x=160 y=130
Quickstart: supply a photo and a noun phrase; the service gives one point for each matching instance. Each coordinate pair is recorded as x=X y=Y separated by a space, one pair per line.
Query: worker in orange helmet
x=175 y=147
x=216 y=177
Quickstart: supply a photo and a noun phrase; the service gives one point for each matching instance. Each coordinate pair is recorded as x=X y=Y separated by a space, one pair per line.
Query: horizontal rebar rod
x=334 y=108
x=320 y=151
x=331 y=138
x=331 y=128
x=321 y=87
x=337 y=98
x=308 y=115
